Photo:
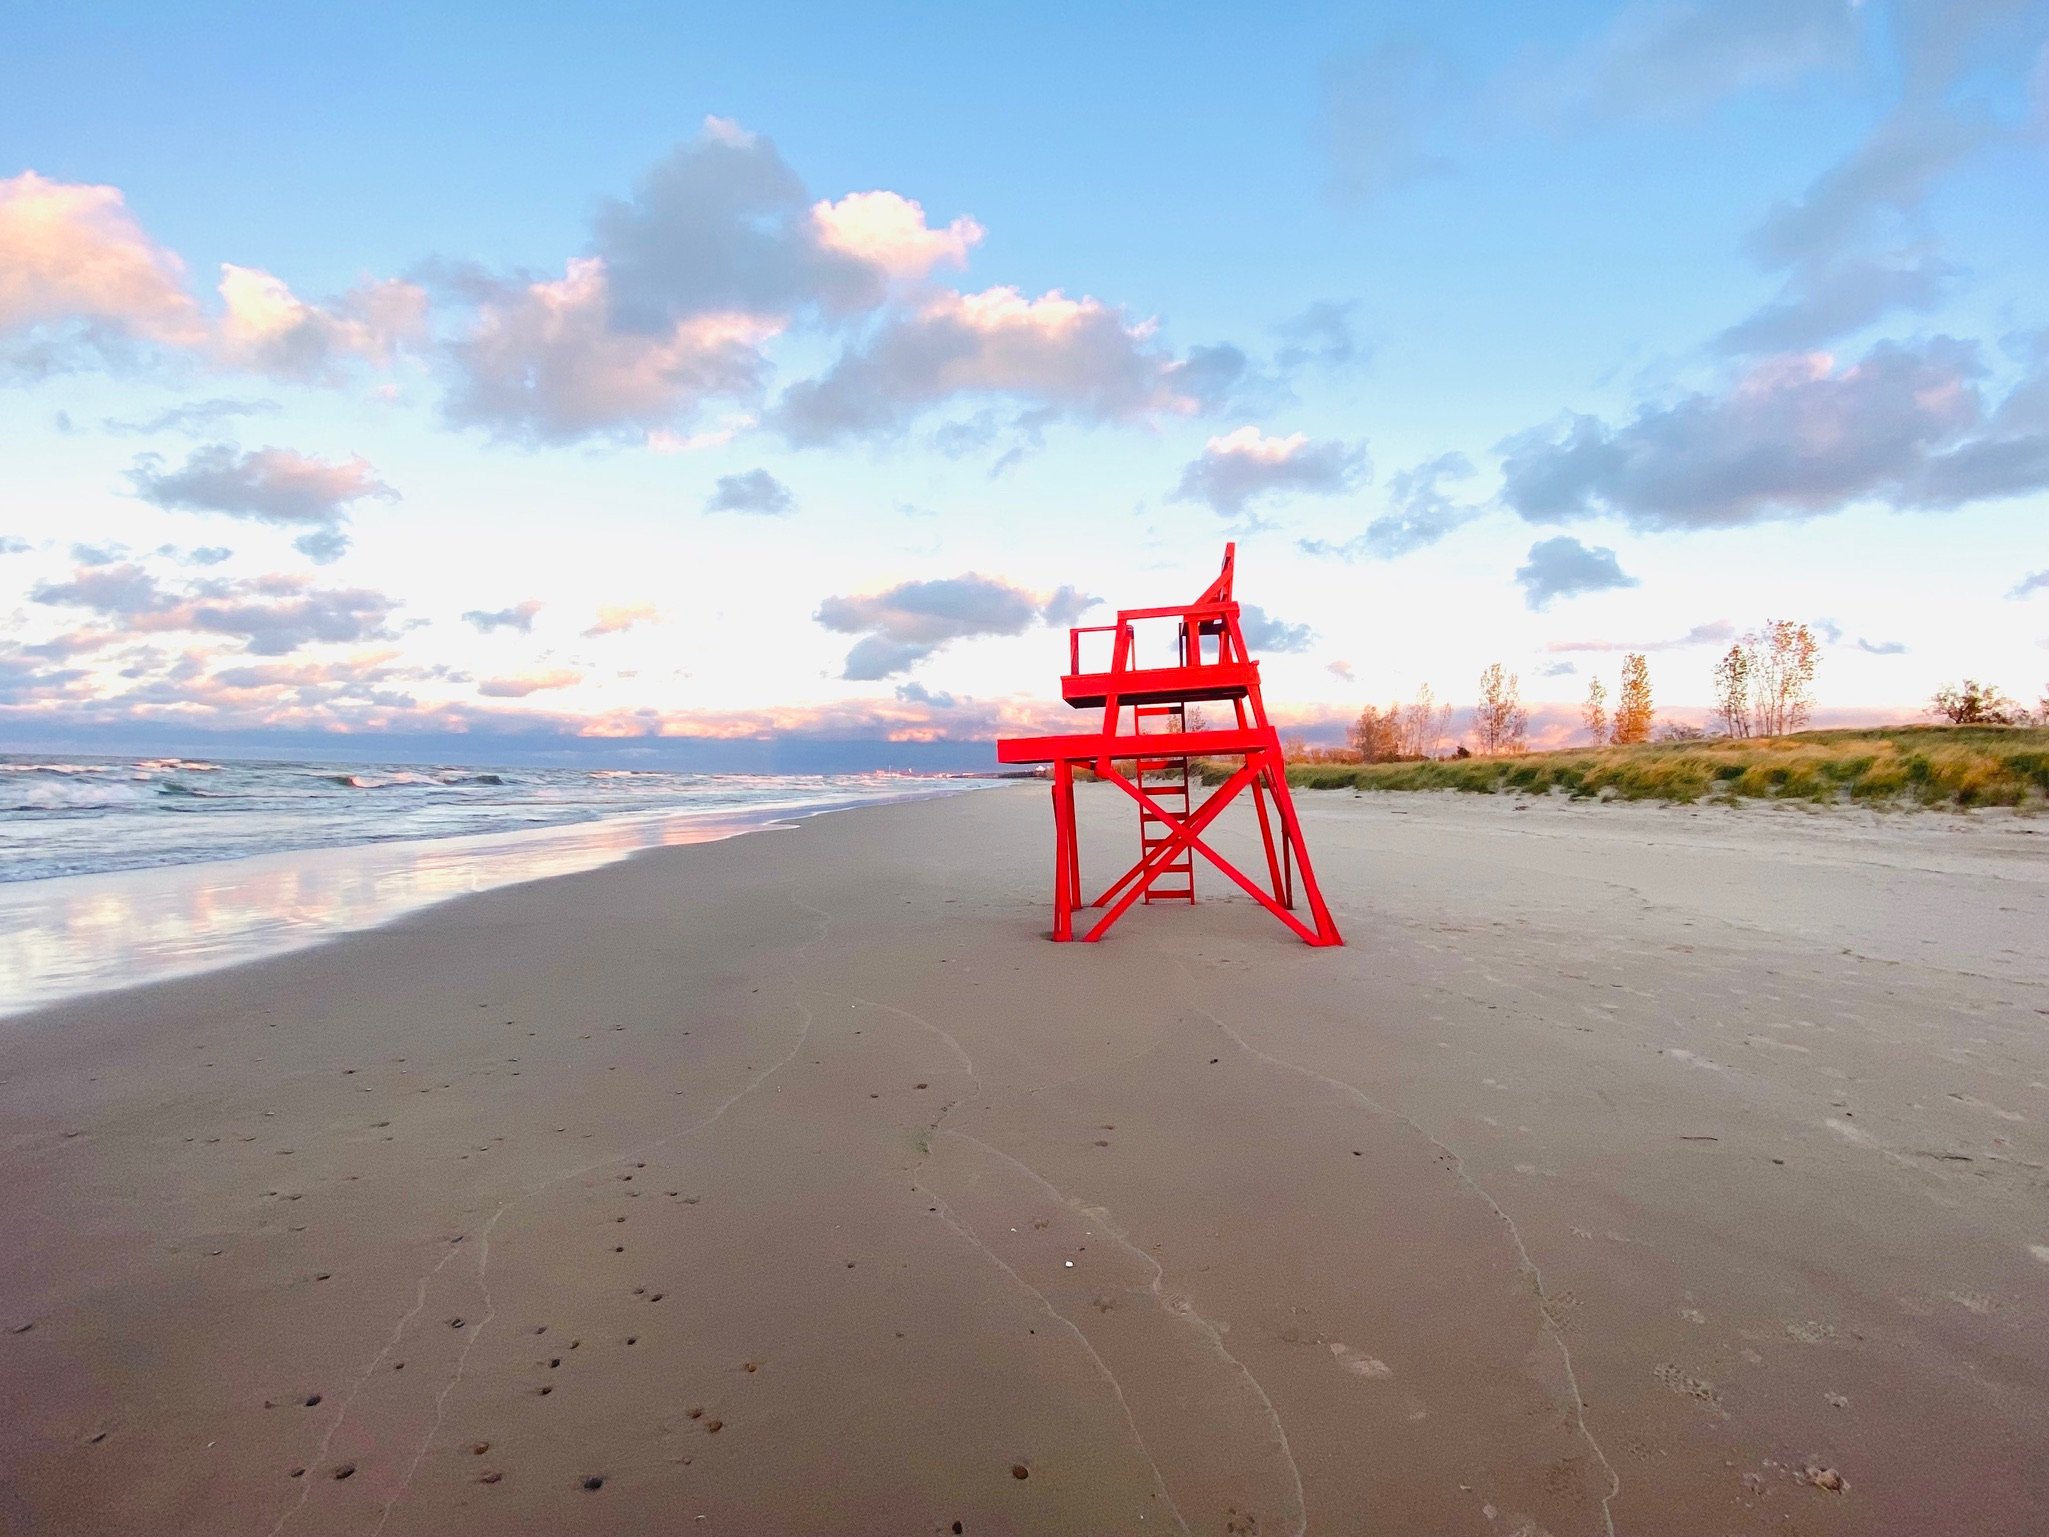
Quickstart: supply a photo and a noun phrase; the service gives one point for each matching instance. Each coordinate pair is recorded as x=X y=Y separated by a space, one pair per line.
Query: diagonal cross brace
x=1185 y=834
x=1202 y=816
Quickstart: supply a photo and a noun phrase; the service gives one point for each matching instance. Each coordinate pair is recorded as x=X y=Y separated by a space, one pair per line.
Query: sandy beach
x=1632 y=1169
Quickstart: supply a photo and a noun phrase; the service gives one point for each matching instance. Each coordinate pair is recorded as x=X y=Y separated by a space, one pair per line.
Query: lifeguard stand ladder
x=1210 y=665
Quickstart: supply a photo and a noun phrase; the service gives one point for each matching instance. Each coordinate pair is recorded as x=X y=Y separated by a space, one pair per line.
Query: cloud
x=903 y=625
x=1882 y=647
x=1557 y=669
x=1423 y=514
x=347 y=673
x=270 y=615
x=1245 y=466
x=265 y=327
x=722 y=224
x=194 y=416
x=888 y=231
x=1207 y=379
x=98 y=554
x=265 y=485
x=73 y=255
x=199 y=555
x=114 y=591
x=1890 y=172
x=1833 y=297
x=1073 y=359
x=528 y=683
x=916 y=693
x=718 y=249
x=323 y=546
x=78 y=272
x=617 y=620
x=1882 y=183
x=2034 y=581
x=1665 y=57
x=1797 y=437
x=1565 y=568
x=1264 y=632
x=547 y=362
x=1322 y=333
x=756 y=491
x=276 y=615
x=1380 y=113
x=1066 y=606
x=1713 y=633
x=9 y=545
x=519 y=617
x=1341 y=670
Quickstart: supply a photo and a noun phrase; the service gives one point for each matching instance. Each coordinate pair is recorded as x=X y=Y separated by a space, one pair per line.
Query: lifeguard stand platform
x=1206 y=663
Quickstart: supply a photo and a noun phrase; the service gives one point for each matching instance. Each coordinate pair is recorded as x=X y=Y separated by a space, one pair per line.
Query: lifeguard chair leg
x=1266 y=836
x=1326 y=930
x=1065 y=878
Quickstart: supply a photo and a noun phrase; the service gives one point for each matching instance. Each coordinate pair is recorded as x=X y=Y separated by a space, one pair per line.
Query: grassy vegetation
x=1911 y=765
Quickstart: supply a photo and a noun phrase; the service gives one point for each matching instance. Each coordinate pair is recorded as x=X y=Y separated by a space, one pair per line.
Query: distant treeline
x=1917 y=765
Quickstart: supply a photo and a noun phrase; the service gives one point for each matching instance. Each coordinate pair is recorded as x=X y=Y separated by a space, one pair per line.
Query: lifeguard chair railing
x=1171 y=825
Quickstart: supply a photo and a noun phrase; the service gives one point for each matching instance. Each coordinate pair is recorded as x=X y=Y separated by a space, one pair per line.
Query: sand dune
x=1632 y=1169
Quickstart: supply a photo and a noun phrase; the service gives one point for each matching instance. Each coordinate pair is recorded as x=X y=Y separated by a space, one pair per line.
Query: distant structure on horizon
x=1209 y=664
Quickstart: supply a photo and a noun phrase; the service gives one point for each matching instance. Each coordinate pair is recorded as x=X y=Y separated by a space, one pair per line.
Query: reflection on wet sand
x=80 y=934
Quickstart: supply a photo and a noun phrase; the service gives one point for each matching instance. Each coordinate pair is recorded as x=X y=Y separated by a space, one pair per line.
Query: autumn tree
x=1412 y=730
x=1376 y=735
x=1972 y=703
x=1732 y=692
x=1500 y=723
x=1595 y=711
x=1633 y=712
x=1781 y=659
x=1423 y=724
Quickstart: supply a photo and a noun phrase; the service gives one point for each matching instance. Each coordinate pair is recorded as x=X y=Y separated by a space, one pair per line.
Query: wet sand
x=1633 y=1169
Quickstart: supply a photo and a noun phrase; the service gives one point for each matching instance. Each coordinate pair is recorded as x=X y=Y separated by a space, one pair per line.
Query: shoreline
x=1627 y=1170
x=70 y=936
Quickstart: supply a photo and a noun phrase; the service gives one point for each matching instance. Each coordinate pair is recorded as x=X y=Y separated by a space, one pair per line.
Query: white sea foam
x=158 y=867
x=62 y=816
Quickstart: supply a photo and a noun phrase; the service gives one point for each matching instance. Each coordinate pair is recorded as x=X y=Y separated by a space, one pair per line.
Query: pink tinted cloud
x=618 y=619
x=75 y=252
x=889 y=230
x=523 y=684
x=545 y=363
x=72 y=254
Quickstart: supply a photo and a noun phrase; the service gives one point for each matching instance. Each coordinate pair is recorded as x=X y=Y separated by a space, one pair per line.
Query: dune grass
x=1956 y=766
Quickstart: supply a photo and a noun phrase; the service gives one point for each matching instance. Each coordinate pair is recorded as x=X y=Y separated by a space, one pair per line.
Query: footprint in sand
x=1357 y=1362
x=1692 y=1387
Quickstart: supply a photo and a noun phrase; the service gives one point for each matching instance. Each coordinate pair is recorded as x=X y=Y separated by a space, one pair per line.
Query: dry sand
x=1634 y=1169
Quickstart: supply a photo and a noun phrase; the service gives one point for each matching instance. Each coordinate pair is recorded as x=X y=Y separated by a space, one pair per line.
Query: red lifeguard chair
x=1209 y=665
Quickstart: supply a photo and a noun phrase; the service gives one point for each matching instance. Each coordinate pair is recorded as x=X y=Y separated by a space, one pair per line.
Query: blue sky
x=796 y=374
